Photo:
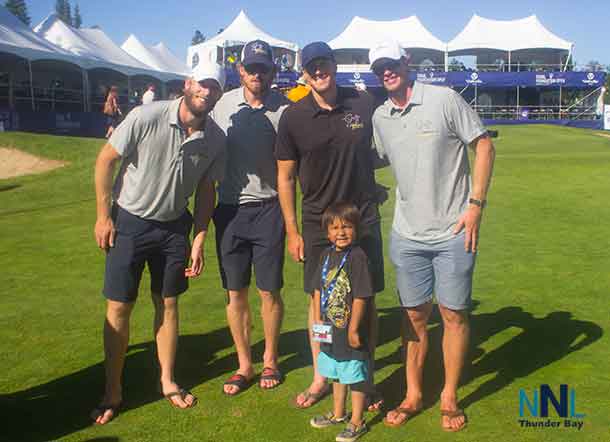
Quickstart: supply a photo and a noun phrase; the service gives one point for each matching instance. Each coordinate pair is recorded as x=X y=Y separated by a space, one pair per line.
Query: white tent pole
x=560 y=94
x=83 y=74
x=446 y=60
x=518 y=98
x=565 y=67
x=509 y=69
x=31 y=84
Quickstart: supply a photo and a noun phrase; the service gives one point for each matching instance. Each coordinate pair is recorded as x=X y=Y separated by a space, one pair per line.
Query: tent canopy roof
x=168 y=57
x=150 y=56
x=16 y=38
x=409 y=32
x=241 y=31
x=94 y=46
x=505 y=35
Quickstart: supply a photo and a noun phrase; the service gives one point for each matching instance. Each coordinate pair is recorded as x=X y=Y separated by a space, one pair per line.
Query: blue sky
x=586 y=23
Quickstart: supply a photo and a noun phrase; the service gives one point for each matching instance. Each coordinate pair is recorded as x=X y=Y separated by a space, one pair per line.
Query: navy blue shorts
x=250 y=235
x=163 y=245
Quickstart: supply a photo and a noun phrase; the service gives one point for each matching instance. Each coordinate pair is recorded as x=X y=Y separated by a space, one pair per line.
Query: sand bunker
x=15 y=163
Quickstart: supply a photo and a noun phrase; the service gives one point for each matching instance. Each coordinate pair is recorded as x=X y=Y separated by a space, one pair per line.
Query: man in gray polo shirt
x=167 y=150
x=249 y=225
x=424 y=130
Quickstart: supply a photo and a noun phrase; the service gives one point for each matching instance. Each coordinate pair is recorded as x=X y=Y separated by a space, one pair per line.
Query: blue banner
x=282 y=79
x=576 y=80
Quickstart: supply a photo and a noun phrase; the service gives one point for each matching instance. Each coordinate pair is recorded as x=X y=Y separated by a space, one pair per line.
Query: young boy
x=341 y=314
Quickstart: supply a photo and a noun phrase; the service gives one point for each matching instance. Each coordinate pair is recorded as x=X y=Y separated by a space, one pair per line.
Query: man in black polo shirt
x=325 y=139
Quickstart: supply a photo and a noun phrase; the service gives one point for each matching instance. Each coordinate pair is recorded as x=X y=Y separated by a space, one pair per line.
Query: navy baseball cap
x=257 y=52
x=317 y=49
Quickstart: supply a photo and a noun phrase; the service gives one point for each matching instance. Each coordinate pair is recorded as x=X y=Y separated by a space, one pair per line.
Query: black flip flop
x=101 y=409
x=271 y=374
x=240 y=381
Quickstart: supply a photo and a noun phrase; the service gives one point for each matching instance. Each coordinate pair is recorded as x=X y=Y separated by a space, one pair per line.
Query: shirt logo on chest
x=353 y=121
x=195 y=158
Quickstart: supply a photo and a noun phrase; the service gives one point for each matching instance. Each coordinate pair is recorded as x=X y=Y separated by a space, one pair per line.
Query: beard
x=196 y=106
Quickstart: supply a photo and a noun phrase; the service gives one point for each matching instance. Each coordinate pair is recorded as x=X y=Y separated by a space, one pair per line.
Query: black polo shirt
x=333 y=153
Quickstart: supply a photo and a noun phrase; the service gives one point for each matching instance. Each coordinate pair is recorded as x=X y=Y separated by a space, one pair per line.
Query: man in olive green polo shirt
x=424 y=131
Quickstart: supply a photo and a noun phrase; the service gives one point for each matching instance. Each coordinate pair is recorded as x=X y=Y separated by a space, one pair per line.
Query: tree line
x=63 y=9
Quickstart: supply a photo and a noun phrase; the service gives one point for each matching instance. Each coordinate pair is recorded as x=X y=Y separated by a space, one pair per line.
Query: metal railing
x=494 y=112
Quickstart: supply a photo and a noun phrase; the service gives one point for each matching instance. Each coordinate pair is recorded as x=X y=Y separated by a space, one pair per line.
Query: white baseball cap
x=385 y=51
x=210 y=71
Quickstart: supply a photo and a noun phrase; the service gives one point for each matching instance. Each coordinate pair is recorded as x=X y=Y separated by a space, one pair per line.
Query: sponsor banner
x=575 y=80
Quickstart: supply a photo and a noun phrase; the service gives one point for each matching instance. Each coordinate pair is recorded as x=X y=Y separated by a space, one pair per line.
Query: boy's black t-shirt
x=354 y=281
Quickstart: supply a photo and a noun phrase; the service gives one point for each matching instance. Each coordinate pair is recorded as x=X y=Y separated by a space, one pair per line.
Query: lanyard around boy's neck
x=328 y=286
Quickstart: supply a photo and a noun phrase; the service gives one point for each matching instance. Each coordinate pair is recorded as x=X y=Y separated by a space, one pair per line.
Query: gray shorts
x=444 y=269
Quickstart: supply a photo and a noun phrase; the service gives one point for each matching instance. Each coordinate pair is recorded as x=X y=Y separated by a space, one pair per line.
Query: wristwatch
x=476 y=202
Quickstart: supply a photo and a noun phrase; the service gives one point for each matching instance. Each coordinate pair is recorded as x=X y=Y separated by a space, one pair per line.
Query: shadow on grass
x=61 y=407
x=540 y=342
x=7 y=187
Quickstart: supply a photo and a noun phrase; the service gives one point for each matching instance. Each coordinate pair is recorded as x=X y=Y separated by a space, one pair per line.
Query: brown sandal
x=183 y=394
x=451 y=415
x=314 y=397
x=408 y=413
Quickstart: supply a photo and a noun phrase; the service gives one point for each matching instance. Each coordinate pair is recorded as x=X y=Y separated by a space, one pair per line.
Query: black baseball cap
x=317 y=49
x=257 y=52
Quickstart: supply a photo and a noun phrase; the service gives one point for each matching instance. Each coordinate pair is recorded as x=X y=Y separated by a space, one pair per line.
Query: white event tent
x=32 y=65
x=233 y=38
x=521 y=41
x=169 y=59
x=157 y=57
x=352 y=45
x=95 y=46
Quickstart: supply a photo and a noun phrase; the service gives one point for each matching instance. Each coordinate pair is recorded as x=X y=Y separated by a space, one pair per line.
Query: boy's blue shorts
x=346 y=372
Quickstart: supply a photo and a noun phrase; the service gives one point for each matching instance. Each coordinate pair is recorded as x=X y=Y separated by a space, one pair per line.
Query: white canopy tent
x=152 y=56
x=237 y=34
x=22 y=52
x=523 y=40
x=96 y=48
x=169 y=59
x=352 y=45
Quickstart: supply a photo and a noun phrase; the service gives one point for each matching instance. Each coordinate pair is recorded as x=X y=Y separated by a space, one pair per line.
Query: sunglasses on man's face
x=322 y=65
x=256 y=68
x=391 y=66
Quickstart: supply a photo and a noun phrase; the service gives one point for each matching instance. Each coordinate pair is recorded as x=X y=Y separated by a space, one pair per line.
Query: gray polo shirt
x=426 y=144
x=251 y=169
x=161 y=166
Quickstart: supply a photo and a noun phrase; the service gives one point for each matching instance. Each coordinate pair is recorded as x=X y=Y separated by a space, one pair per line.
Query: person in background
x=149 y=96
x=299 y=91
x=112 y=110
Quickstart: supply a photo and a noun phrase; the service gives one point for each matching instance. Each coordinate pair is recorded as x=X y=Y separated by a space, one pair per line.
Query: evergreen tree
x=198 y=38
x=67 y=13
x=19 y=9
x=77 y=20
x=62 y=9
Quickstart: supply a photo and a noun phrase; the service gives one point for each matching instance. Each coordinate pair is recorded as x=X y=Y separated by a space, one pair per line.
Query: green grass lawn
x=541 y=313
